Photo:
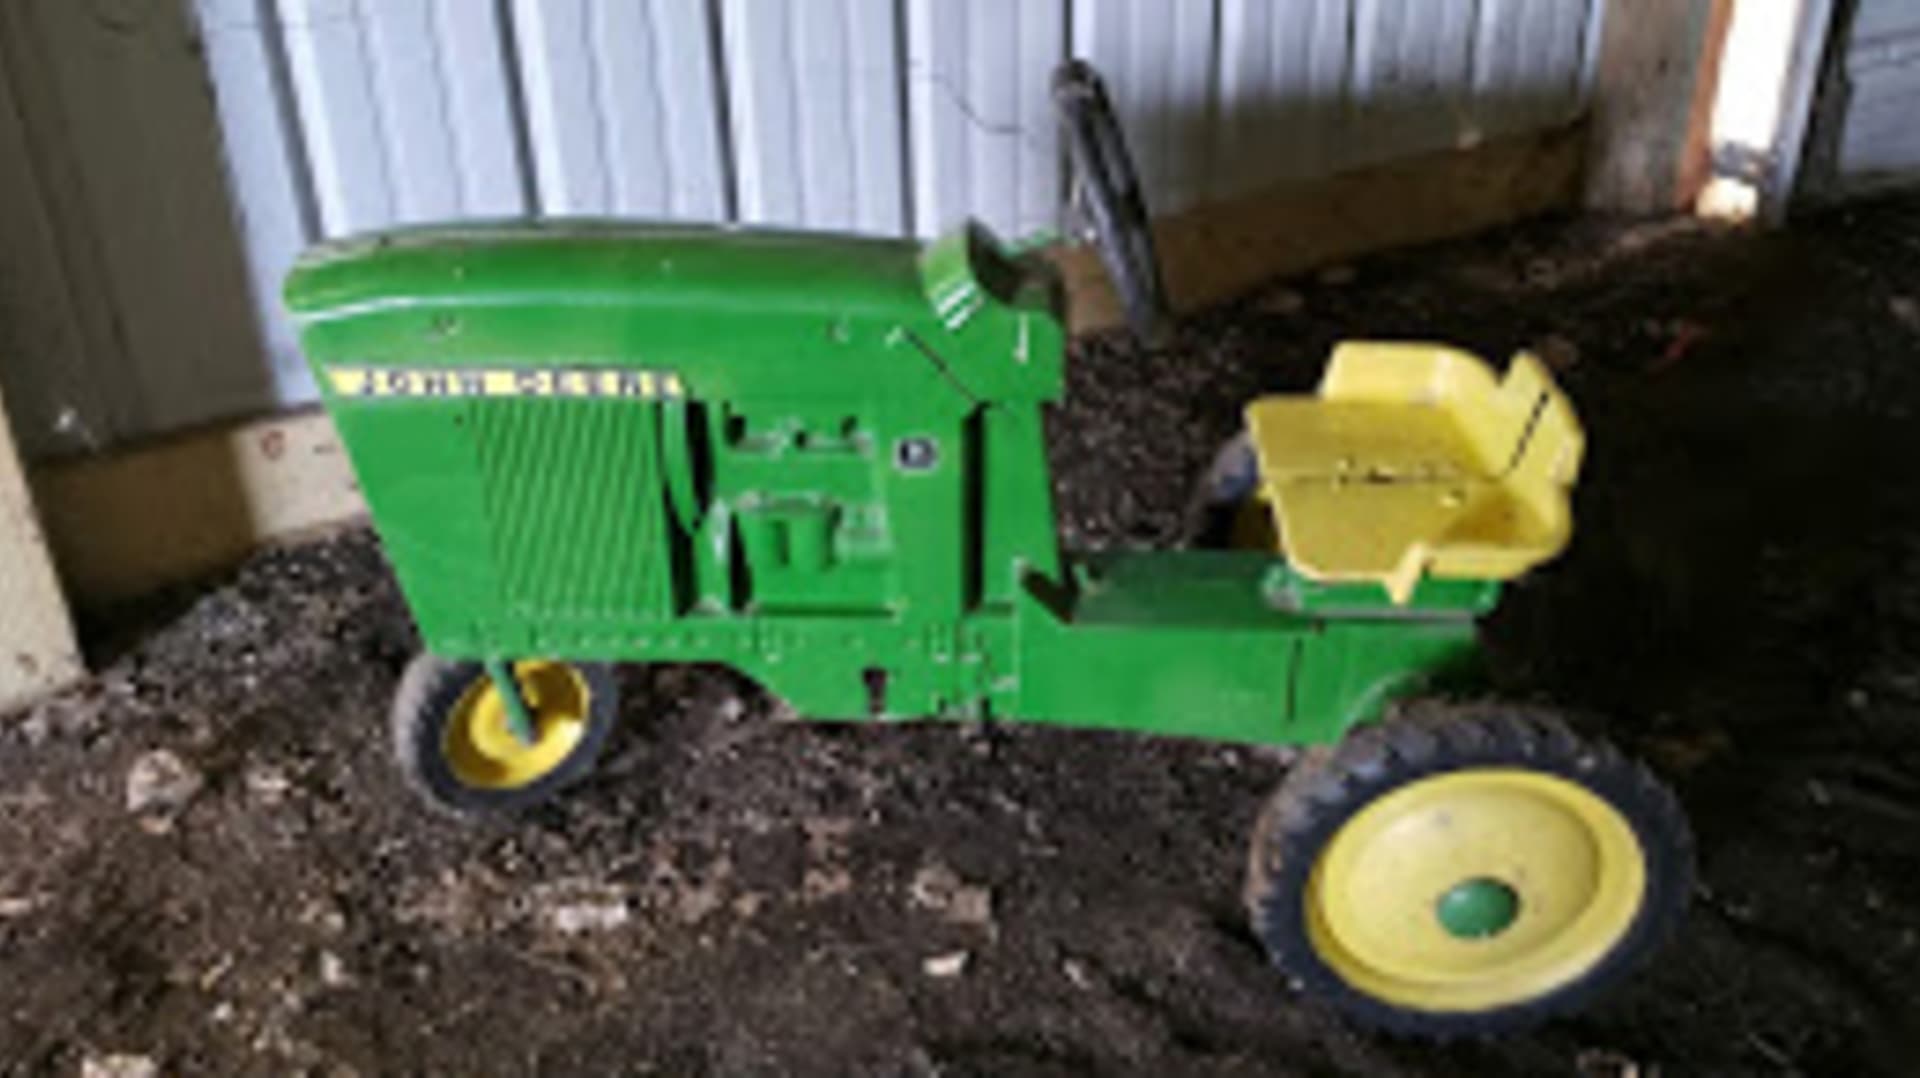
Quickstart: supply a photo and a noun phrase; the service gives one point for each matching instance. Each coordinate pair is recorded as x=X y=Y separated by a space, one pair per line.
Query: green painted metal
x=1477 y=908
x=819 y=460
x=519 y=719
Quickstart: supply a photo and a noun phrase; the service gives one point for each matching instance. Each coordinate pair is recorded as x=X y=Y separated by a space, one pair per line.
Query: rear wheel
x=1466 y=871
x=1224 y=509
x=455 y=742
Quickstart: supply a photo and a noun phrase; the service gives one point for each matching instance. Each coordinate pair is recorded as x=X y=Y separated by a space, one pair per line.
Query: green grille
x=575 y=507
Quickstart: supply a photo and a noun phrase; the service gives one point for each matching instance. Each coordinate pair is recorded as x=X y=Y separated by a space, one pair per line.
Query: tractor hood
x=596 y=264
x=732 y=311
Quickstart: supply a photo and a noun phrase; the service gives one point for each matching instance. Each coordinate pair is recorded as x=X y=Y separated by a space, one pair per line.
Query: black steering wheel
x=1107 y=191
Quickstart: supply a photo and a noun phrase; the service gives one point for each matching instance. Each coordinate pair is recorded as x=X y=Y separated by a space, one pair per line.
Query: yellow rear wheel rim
x=1565 y=866
x=480 y=746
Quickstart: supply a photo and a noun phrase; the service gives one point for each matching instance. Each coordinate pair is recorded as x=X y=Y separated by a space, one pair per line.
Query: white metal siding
x=1877 y=141
x=879 y=116
x=621 y=108
x=404 y=110
x=814 y=91
x=1288 y=67
x=1158 y=60
x=984 y=139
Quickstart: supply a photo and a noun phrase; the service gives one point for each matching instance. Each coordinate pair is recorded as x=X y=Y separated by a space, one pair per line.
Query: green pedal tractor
x=819 y=460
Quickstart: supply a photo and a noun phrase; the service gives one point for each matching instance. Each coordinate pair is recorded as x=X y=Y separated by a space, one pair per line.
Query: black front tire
x=436 y=694
x=1331 y=786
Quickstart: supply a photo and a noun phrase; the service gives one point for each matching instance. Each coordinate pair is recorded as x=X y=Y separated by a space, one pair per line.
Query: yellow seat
x=1413 y=460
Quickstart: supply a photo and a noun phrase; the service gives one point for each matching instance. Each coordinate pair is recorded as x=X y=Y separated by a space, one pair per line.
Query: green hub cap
x=1477 y=908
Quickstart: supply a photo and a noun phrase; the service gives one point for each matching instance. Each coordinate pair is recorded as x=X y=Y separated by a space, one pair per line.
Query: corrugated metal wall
x=1865 y=137
x=883 y=116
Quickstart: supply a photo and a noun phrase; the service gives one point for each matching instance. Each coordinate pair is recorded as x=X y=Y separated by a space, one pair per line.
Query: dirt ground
x=735 y=895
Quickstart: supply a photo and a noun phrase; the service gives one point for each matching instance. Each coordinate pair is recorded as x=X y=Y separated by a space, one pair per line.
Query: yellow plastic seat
x=1414 y=459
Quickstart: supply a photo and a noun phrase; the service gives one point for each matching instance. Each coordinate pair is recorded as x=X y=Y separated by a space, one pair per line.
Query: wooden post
x=1654 y=81
x=128 y=522
x=37 y=649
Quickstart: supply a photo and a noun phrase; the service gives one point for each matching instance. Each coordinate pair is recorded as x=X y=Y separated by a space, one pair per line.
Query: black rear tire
x=1331 y=786
x=1107 y=190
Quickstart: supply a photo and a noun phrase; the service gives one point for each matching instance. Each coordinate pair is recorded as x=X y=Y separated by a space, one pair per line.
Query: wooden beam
x=1222 y=250
x=37 y=649
x=1654 y=82
x=138 y=519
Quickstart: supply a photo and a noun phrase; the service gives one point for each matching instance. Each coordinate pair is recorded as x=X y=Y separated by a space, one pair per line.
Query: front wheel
x=1464 y=871
x=456 y=744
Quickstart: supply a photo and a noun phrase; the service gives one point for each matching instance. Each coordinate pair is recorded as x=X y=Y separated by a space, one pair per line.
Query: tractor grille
x=574 y=504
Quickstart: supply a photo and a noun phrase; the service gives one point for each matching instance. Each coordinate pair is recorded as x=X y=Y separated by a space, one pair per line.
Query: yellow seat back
x=1416 y=459
x=1554 y=444
x=1498 y=417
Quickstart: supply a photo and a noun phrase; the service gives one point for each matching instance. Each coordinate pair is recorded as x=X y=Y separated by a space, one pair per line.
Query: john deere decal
x=568 y=382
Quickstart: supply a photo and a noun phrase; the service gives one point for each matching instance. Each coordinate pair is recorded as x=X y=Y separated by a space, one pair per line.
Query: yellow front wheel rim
x=1475 y=890
x=479 y=744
